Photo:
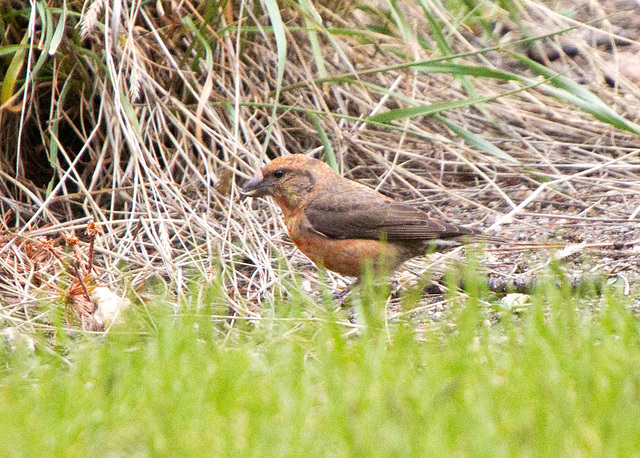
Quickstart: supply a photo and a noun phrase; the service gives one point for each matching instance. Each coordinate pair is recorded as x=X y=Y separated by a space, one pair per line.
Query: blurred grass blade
x=281 y=39
x=476 y=140
x=57 y=36
x=406 y=31
x=422 y=110
x=578 y=95
x=446 y=50
x=207 y=87
x=201 y=39
x=601 y=112
x=131 y=115
x=311 y=20
x=280 y=35
x=47 y=33
x=559 y=80
x=450 y=69
x=566 y=90
x=469 y=70
x=13 y=71
x=11 y=49
x=441 y=41
x=326 y=144
x=469 y=137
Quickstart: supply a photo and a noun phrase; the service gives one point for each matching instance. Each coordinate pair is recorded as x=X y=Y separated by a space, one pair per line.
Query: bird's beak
x=256 y=187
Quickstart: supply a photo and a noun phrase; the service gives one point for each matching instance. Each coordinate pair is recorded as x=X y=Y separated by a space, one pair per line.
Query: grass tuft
x=561 y=377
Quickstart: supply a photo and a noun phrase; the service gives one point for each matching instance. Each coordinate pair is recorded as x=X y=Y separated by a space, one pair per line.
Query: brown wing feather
x=364 y=214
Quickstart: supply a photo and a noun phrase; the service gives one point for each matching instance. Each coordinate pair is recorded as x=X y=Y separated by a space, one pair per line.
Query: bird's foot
x=342 y=295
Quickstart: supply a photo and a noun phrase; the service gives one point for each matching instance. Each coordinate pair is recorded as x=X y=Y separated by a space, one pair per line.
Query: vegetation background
x=126 y=128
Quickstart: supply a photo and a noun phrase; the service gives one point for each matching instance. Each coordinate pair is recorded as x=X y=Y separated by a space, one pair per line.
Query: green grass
x=561 y=378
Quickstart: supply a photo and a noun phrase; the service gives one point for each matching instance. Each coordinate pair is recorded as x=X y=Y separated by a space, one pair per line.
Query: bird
x=347 y=227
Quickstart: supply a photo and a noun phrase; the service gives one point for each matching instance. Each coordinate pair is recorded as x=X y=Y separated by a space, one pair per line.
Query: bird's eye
x=278 y=173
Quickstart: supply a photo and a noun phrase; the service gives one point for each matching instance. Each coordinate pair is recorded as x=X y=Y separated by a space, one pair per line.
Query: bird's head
x=292 y=180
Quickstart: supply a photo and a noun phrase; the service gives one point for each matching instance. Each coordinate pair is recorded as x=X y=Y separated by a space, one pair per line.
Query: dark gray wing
x=360 y=214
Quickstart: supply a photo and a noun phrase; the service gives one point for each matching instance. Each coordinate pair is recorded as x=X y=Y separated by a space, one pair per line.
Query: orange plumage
x=344 y=225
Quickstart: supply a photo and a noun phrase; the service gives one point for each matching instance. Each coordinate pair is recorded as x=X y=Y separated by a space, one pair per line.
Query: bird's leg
x=365 y=300
x=342 y=296
x=372 y=297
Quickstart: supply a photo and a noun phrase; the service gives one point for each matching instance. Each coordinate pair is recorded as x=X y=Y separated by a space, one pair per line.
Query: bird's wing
x=364 y=214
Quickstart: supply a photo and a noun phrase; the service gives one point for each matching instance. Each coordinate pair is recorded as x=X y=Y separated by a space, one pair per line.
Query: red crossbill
x=344 y=225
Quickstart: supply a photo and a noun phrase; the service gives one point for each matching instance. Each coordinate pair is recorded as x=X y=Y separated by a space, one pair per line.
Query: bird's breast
x=345 y=256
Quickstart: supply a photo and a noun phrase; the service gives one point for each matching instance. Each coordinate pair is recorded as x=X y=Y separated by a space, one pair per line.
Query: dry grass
x=148 y=124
